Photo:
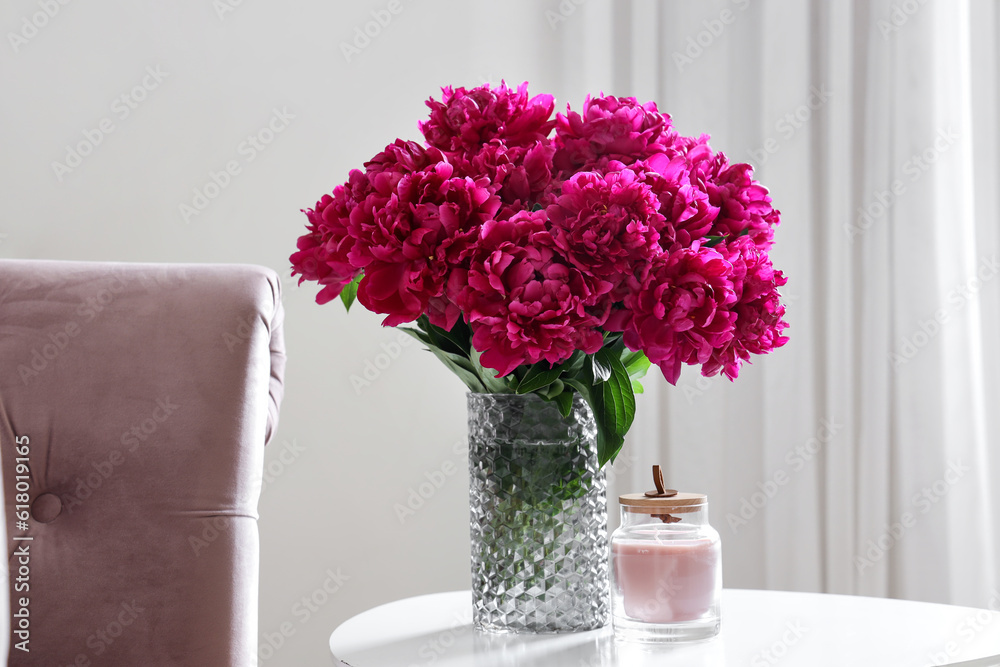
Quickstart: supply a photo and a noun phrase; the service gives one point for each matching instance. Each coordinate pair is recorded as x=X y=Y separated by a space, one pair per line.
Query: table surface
x=759 y=629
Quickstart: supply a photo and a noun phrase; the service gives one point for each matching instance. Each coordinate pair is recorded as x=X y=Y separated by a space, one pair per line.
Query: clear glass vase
x=538 y=516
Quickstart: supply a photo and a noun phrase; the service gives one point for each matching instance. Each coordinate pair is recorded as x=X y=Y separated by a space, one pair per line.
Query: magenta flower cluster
x=543 y=234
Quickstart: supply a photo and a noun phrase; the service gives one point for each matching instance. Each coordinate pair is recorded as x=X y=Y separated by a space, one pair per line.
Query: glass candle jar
x=666 y=569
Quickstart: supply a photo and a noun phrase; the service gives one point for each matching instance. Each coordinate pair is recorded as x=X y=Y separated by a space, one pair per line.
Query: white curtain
x=864 y=457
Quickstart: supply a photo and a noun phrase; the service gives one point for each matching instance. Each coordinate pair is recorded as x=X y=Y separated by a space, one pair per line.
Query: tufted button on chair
x=135 y=402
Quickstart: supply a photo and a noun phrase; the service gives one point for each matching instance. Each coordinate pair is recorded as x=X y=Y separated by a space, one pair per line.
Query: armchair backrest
x=135 y=402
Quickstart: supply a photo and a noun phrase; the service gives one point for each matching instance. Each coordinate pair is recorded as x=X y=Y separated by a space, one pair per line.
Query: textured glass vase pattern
x=538 y=516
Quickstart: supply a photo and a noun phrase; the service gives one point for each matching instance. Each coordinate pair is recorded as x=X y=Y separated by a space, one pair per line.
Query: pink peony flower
x=681 y=312
x=325 y=252
x=616 y=224
x=406 y=246
x=464 y=119
x=759 y=312
x=523 y=304
x=398 y=159
x=606 y=225
x=616 y=127
x=686 y=210
x=744 y=204
x=682 y=145
x=322 y=254
x=519 y=175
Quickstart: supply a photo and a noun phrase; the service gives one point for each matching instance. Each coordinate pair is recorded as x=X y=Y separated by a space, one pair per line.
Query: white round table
x=759 y=629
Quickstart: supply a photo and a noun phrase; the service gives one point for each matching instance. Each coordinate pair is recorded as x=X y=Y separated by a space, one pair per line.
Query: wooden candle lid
x=662 y=500
x=677 y=504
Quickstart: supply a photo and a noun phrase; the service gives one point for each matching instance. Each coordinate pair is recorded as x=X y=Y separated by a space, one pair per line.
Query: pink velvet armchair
x=135 y=403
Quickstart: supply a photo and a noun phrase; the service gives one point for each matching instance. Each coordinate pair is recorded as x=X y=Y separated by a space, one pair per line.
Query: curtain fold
x=985 y=82
x=862 y=457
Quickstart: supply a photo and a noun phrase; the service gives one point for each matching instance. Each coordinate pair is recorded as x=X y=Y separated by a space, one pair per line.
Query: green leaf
x=612 y=445
x=575 y=363
x=565 y=402
x=608 y=449
x=601 y=370
x=487 y=376
x=456 y=340
x=462 y=367
x=350 y=292
x=419 y=335
x=608 y=442
x=582 y=388
x=613 y=339
x=554 y=389
x=636 y=364
x=539 y=376
x=458 y=359
x=619 y=401
x=442 y=347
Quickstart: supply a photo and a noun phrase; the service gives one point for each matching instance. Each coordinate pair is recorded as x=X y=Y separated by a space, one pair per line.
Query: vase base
x=497 y=630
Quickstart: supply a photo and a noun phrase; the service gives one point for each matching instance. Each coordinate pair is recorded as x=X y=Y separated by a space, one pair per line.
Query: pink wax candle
x=666 y=567
x=666 y=581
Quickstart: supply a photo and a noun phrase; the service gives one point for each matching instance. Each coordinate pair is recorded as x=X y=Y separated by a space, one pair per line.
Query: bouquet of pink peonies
x=533 y=263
